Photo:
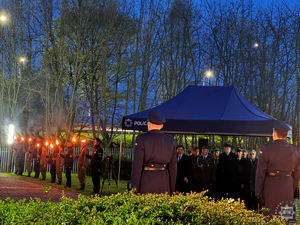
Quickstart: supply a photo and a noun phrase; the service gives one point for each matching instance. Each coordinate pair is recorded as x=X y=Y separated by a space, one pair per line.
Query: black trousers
x=53 y=173
x=96 y=180
x=68 y=175
x=20 y=162
x=37 y=168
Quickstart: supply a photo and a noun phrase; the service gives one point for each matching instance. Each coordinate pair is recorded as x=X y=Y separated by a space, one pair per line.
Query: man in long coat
x=277 y=175
x=183 y=170
x=227 y=173
x=154 y=164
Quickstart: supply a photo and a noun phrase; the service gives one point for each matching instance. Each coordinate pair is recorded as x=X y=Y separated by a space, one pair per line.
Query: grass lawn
x=75 y=183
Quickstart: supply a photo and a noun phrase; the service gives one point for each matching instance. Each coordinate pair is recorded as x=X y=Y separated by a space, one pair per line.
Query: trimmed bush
x=129 y=208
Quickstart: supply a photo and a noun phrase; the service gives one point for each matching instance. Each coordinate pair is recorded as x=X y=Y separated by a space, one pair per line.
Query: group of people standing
x=271 y=181
x=227 y=175
x=35 y=151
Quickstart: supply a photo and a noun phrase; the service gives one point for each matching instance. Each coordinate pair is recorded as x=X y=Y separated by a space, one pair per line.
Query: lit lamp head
x=255 y=45
x=22 y=59
x=3 y=18
x=208 y=74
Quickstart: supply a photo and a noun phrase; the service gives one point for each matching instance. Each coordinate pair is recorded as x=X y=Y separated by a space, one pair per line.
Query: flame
x=15 y=137
x=57 y=142
x=29 y=139
x=22 y=138
x=74 y=139
x=38 y=145
x=47 y=143
x=51 y=146
x=83 y=141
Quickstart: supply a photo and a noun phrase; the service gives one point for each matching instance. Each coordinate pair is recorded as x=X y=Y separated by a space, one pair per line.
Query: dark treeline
x=89 y=62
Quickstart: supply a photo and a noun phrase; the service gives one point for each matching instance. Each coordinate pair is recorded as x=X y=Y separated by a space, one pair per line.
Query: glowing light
x=74 y=139
x=38 y=145
x=255 y=45
x=208 y=73
x=22 y=138
x=57 y=143
x=47 y=143
x=11 y=136
x=23 y=59
x=83 y=141
x=15 y=137
x=29 y=139
x=51 y=146
x=3 y=18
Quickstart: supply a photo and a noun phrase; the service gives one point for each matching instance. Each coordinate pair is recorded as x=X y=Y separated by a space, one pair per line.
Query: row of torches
x=47 y=143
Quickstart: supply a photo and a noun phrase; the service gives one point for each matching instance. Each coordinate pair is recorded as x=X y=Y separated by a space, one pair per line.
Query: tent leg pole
x=120 y=161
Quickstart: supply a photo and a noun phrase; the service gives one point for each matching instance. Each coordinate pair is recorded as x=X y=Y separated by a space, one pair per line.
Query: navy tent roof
x=207 y=110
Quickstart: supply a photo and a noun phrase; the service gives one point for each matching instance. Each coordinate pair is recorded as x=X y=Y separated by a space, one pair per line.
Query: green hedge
x=128 y=208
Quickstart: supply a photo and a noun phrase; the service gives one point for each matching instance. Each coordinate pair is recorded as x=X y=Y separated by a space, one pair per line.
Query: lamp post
x=207 y=74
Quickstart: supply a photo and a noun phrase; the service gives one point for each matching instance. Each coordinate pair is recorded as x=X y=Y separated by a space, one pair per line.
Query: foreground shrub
x=129 y=208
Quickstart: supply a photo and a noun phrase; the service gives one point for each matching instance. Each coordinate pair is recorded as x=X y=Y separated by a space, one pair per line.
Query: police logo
x=286 y=210
x=128 y=122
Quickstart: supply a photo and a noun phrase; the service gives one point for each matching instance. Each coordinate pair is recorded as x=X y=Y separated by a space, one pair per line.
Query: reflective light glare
x=11 y=134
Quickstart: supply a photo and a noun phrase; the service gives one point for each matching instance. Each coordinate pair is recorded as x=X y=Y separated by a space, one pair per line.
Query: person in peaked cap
x=227 y=172
x=277 y=175
x=154 y=165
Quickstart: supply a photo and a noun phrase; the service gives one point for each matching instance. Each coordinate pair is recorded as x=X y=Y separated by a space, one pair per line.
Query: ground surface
x=18 y=188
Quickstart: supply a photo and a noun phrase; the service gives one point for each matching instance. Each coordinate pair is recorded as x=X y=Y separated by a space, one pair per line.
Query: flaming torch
x=74 y=142
x=38 y=150
x=57 y=143
x=23 y=140
x=51 y=146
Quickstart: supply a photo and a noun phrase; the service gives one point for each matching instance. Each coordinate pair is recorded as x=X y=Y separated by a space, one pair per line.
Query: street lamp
x=207 y=74
x=3 y=18
x=255 y=45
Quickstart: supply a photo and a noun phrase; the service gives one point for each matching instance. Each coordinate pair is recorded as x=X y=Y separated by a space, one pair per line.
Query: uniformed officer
x=82 y=163
x=277 y=175
x=204 y=170
x=96 y=159
x=29 y=153
x=154 y=164
x=68 y=162
x=193 y=162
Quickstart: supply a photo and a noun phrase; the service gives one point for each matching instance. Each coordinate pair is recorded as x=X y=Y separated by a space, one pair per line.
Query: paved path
x=18 y=188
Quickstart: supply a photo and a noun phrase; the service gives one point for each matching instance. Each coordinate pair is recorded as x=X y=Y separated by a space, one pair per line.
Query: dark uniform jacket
x=155 y=150
x=18 y=148
x=205 y=169
x=281 y=158
x=68 y=157
x=227 y=172
x=53 y=156
x=183 y=170
x=96 y=158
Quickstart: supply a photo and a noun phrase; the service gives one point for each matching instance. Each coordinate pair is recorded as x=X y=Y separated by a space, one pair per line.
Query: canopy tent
x=219 y=110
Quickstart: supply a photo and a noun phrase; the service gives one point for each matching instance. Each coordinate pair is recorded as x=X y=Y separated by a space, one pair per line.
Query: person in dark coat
x=183 y=170
x=96 y=159
x=227 y=173
x=52 y=162
x=17 y=149
x=204 y=170
x=252 y=201
x=36 y=155
x=277 y=175
x=68 y=162
x=154 y=163
x=193 y=163
x=243 y=176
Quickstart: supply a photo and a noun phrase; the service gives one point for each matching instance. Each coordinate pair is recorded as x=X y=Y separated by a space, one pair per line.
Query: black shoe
x=81 y=188
x=59 y=182
x=52 y=182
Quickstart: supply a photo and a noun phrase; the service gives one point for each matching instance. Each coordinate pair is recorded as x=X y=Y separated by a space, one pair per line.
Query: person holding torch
x=82 y=163
x=52 y=162
x=29 y=153
x=37 y=155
